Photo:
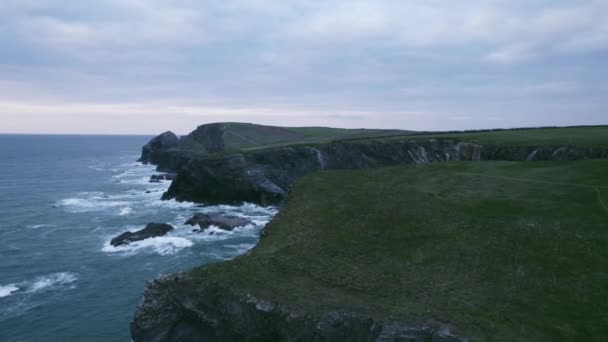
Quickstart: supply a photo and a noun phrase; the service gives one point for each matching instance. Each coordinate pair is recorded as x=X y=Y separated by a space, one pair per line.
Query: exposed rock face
x=169 y=153
x=155 y=151
x=204 y=221
x=210 y=137
x=165 y=176
x=265 y=176
x=151 y=230
x=178 y=308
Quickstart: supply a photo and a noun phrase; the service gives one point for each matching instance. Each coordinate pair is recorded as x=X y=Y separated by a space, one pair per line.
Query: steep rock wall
x=178 y=308
x=265 y=176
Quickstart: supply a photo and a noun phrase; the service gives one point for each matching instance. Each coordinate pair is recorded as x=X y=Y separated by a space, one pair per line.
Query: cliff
x=169 y=152
x=492 y=251
x=265 y=176
x=504 y=250
x=183 y=308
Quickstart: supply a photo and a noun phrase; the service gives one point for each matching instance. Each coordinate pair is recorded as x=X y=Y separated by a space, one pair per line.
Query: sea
x=62 y=199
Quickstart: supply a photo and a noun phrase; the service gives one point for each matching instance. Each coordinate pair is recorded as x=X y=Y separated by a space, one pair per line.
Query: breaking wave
x=50 y=282
x=164 y=245
x=7 y=290
x=137 y=200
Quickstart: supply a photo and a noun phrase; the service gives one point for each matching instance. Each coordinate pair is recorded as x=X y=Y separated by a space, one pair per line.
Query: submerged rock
x=151 y=230
x=224 y=222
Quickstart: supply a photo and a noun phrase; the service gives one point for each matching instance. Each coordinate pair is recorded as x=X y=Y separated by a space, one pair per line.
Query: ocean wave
x=134 y=170
x=135 y=164
x=94 y=203
x=170 y=204
x=245 y=210
x=7 y=290
x=143 y=198
x=53 y=281
x=37 y=226
x=91 y=193
x=125 y=211
x=98 y=168
x=164 y=245
x=49 y=282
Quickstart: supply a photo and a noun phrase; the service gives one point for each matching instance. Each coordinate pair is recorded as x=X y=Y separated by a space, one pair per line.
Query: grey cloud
x=340 y=62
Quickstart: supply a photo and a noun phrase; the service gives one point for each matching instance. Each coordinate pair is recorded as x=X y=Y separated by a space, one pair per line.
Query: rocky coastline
x=265 y=176
x=181 y=308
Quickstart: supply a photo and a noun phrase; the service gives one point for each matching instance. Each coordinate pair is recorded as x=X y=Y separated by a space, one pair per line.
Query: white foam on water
x=91 y=193
x=213 y=233
x=125 y=211
x=135 y=173
x=94 y=203
x=136 y=202
x=103 y=167
x=244 y=210
x=170 y=204
x=164 y=245
x=53 y=281
x=139 y=181
x=37 y=226
x=49 y=282
x=7 y=290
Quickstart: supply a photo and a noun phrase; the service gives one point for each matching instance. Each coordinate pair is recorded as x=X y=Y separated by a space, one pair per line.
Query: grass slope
x=596 y=136
x=243 y=135
x=502 y=251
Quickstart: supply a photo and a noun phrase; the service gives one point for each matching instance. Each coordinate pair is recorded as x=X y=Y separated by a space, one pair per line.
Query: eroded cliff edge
x=266 y=176
x=181 y=307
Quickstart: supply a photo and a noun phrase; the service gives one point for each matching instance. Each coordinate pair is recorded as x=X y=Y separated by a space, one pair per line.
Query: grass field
x=571 y=136
x=249 y=136
x=501 y=251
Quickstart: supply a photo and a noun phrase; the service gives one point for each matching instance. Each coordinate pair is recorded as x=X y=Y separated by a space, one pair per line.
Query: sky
x=147 y=66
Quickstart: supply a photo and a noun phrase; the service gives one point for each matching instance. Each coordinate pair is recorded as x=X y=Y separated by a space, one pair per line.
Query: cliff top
x=499 y=250
x=230 y=136
x=579 y=136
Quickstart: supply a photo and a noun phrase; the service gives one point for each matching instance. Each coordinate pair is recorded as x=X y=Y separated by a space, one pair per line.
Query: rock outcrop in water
x=205 y=221
x=162 y=177
x=178 y=308
x=151 y=230
x=155 y=151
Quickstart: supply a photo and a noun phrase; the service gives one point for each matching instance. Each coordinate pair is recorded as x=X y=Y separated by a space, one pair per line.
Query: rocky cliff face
x=208 y=138
x=265 y=176
x=156 y=151
x=169 y=153
x=179 y=308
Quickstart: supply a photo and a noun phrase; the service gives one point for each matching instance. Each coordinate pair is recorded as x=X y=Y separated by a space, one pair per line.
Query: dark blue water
x=62 y=198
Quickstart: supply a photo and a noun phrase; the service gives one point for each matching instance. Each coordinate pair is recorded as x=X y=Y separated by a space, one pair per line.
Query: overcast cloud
x=145 y=66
